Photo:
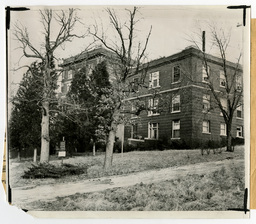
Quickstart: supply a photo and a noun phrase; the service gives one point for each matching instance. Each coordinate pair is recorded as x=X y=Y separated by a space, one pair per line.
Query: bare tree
x=62 y=24
x=129 y=55
x=230 y=96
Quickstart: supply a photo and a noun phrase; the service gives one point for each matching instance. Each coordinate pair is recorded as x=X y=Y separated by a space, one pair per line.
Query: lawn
x=220 y=190
x=122 y=164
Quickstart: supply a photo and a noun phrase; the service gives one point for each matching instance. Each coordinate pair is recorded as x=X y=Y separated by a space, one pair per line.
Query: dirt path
x=23 y=196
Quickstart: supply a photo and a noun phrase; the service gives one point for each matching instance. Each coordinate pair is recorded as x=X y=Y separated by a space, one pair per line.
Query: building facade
x=87 y=59
x=178 y=105
x=171 y=101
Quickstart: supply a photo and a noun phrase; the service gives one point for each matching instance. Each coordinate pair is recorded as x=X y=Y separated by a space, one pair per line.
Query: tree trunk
x=110 y=147
x=229 y=139
x=19 y=155
x=35 y=155
x=94 y=149
x=45 y=139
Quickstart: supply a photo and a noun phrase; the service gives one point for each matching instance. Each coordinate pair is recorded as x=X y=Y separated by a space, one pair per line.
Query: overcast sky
x=171 y=28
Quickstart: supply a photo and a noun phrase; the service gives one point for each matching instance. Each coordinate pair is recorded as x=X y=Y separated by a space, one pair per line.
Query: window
x=239 y=112
x=153 y=130
x=176 y=103
x=176 y=74
x=222 y=79
x=223 y=102
x=239 y=131
x=206 y=126
x=176 y=129
x=69 y=74
x=68 y=86
x=153 y=106
x=135 y=84
x=205 y=75
x=206 y=103
x=133 y=115
x=239 y=82
x=91 y=67
x=223 y=129
x=154 y=80
x=134 y=131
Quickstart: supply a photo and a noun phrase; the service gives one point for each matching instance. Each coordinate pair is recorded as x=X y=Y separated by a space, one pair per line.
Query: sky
x=172 y=27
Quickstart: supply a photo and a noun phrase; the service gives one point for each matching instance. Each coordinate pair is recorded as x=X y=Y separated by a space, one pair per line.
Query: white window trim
x=225 y=129
x=204 y=73
x=239 y=84
x=208 y=122
x=175 y=111
x=222 y=78
x=151 y=102
x=175 y=129
x=136 y=91
x=241 y=131
x=149 y=130
x=224 y=106
x=241 y=109
x=133 y=116
x=151 y=80
x=173 y=74
x=206 y=100
x=70 y=74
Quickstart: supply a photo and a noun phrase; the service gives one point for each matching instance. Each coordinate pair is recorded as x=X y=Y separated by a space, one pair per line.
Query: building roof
x=87 y=55
x=187 y=52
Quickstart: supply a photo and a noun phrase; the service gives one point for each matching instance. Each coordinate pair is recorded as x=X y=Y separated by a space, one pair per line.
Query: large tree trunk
x=109 y=150
x=94 y=148
x=229 y=139
x=45 y=139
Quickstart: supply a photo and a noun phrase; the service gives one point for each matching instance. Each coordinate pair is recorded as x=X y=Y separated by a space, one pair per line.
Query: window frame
x=222 y=79
x=153 y=104
x=223 y=133
x=224 y=106
x=173 y=74
x=151 y=128
x=132 y=130
x=135 y=84
x=239 y=83
x=241 y=131
x=175 y=129
x=173 y=103
x=239 y=109
x=70 y=74
x=207 y=126
x=204 y=73
x=206 y=101
x=152 y=79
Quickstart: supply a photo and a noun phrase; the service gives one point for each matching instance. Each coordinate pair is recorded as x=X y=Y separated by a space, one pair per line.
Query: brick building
x=174 y=101
x=177 y=102
x=87 y=59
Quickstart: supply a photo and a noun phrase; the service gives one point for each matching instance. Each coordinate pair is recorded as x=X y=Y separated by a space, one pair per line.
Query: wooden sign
x=62 y=146
x=62 y=154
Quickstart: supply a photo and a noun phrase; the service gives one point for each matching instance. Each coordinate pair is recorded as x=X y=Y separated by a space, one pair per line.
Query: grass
x=219 y=190
x=128 y=163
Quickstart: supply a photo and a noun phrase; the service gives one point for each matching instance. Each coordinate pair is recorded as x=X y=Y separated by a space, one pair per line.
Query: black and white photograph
x=129 y=108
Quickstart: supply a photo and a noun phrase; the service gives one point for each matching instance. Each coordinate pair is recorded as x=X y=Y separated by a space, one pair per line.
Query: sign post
x=62 y=151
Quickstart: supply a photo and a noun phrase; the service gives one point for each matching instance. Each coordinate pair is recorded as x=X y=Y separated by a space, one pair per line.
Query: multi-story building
x=87 y=59
x=176 y=102
x=172 y=97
